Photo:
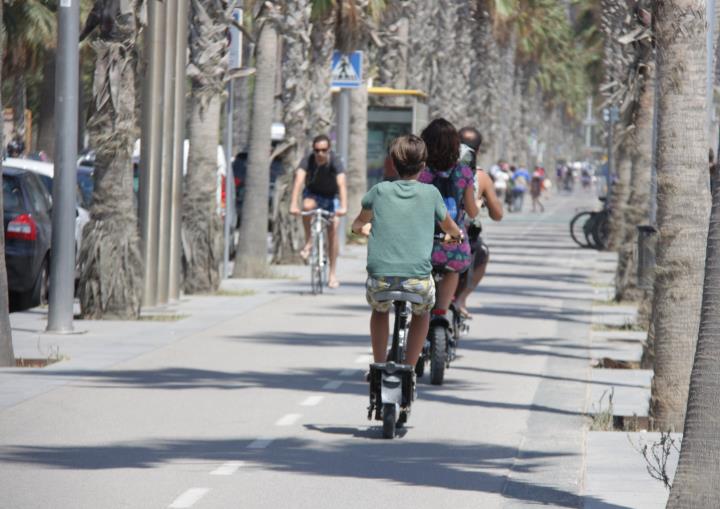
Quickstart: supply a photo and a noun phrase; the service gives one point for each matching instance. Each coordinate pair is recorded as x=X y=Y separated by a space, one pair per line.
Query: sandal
x=305 y=253
x=465 y=313
x=334 y=284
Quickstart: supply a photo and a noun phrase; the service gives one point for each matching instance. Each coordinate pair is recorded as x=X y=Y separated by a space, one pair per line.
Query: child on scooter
x=399 y=218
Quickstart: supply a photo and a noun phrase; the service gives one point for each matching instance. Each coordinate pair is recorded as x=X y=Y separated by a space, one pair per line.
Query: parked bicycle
x=318 y=260
x=392 y=384
x=591 y=228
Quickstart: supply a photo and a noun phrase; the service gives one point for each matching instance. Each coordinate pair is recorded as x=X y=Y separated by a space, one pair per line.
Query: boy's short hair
x=409 y=154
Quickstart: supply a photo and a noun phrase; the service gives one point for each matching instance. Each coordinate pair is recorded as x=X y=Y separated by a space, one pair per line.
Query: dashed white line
x=348 y=372
x=189 y=498
x=331 y=386
x=228 y=468
x=312 y=401
x=260 y=443
x=288 y=420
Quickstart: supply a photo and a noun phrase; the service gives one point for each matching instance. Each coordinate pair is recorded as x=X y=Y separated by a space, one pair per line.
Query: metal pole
x=229 y=199
x=62 y=261
x=168 y=152
x=343 y=146
x=151 y=149
x=178 y=159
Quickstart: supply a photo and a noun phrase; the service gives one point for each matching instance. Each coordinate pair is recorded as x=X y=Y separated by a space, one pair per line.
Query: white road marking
x=331 y=386
x=228 y=468
x=260 y=443
x=363 y=359
x=288 y=420
x=189 y=498
x=312 y=401
x=348 y=372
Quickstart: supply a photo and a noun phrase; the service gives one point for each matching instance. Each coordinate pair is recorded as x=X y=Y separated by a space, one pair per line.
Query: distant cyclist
x=322 y=176
x=471 y=139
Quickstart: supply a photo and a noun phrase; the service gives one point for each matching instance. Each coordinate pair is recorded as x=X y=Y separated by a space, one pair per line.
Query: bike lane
x=267 y=408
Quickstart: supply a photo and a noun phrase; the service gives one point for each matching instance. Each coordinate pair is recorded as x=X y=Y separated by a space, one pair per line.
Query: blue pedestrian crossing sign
x=347 y=69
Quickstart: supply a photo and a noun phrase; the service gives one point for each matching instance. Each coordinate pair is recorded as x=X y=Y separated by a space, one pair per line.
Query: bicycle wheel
x=389 y=420
x=577 y=225
x=320 y=262
x=438 y=354
x=601 y=230
x=314 y=272
x=324 y=259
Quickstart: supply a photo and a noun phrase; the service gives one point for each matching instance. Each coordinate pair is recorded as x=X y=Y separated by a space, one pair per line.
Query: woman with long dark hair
x=455 y=183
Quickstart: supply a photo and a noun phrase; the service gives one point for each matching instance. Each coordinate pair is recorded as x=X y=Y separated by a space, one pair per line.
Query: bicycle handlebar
x=322 y=212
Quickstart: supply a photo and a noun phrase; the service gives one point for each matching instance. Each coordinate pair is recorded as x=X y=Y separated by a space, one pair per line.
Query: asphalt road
x=267 y=409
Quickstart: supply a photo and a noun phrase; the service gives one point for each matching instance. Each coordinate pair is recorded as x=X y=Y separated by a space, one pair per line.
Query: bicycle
x=318 y=260
x=392 y=385
x=591 y=228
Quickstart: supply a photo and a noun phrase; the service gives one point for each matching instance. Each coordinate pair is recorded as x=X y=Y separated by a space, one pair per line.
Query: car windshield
x=12 y=195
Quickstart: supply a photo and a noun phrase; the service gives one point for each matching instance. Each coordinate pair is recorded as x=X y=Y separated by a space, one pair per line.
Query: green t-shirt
x=403 y=224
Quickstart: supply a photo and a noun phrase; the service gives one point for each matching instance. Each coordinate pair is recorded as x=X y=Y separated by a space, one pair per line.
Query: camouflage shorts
x=425 y=287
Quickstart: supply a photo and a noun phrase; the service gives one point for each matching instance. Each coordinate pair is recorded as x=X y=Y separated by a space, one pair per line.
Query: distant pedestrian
x=536 y=187
x=520 y=179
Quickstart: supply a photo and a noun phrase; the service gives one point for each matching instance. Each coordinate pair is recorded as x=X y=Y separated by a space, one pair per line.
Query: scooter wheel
x=389 y=420
x=402 y=419
x=438 y=354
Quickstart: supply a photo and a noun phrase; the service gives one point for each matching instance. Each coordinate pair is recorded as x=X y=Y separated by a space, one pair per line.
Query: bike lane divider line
x=288 y=420
x=331 y=386
x=228 y=468
x=312 y=401
x=260 y=443
x=348 y=372
x=363 y=359
x=189 y=498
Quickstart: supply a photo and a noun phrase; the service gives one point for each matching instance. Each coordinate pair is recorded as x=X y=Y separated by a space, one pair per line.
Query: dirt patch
x=608 y=363
x=34 y=363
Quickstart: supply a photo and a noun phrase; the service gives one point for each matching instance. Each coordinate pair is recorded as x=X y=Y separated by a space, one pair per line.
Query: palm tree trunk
x=637 y=208
x=682 y=204
x=252 y=256
x=202 y=225
x=46 y=124
x=20 y=104
x=7 y=355
x=619 y=198
x=111 y=275
x=201 y=222
x=696 y=480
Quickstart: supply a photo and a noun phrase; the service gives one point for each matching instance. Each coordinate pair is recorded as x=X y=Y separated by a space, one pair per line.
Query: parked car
x=28 y=232
x=46 y=171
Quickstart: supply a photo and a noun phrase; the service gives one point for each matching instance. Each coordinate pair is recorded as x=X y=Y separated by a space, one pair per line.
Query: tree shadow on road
x=459 y=466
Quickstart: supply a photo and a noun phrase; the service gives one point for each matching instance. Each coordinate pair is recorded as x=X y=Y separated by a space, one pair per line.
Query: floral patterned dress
x=451 y=257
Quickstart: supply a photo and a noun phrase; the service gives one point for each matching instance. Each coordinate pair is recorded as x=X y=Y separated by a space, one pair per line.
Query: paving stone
x=631 y=390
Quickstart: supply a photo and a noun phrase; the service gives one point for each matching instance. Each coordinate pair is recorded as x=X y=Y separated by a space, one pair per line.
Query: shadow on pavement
x=305 y=338
x=533 y=312
x=469 y=467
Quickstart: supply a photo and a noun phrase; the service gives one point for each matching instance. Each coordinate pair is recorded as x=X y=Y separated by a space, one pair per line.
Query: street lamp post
x=62 y=261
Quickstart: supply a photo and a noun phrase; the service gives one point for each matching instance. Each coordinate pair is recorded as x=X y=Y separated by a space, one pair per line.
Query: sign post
x=346 y=74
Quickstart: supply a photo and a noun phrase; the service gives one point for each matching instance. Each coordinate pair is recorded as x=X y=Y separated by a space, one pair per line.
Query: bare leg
x=446 y=290
x=478 y=274
x=308 y=205
x=333 y=241
x=416 y=337
x=379 y=332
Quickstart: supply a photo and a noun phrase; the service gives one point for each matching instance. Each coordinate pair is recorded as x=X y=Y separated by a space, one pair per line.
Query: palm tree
x=682 y=201
x=30 y=29
x=111 y=275
x=252 y=254
x=202 y=225
x=695 y=483
x=7 y=356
